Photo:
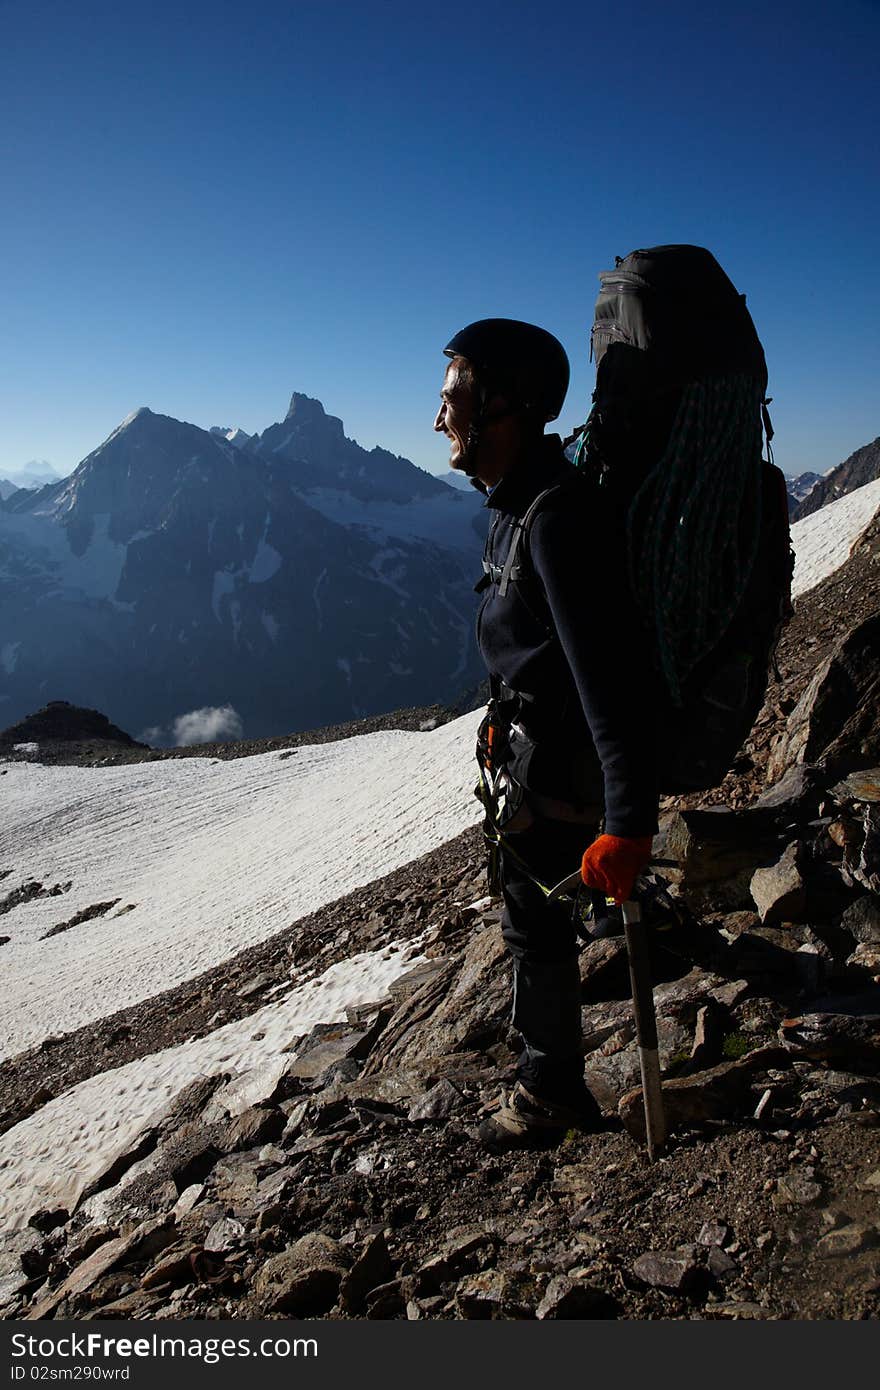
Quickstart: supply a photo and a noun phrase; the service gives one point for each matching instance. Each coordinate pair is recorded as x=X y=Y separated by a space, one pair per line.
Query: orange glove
x=612 y=864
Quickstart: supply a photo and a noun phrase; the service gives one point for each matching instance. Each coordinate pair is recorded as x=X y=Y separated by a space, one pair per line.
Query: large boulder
x=717 y=853
x=779 y=890
x=466 y=1005
x=836 y=722
x=717 y=1094
x=303 y=1280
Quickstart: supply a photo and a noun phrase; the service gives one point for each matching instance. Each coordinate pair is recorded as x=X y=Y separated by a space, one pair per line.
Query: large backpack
x=673 y=338
x=678 y=365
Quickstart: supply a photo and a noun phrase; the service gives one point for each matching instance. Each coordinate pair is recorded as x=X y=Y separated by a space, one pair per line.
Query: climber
x=572 y=709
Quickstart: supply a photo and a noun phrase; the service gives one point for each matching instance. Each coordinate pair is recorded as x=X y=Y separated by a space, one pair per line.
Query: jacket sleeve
x=583 y=575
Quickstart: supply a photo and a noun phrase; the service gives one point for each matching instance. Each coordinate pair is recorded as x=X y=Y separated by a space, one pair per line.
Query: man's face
x=456 y=411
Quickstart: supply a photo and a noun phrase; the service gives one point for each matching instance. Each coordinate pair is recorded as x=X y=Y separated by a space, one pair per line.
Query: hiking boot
x=522 y=1120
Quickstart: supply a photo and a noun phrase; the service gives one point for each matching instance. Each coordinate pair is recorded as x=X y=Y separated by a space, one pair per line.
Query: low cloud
x=212 y=724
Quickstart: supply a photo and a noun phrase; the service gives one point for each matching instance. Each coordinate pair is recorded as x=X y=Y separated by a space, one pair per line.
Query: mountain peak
x=307 y=413
x=304 y=408
x=232 y=434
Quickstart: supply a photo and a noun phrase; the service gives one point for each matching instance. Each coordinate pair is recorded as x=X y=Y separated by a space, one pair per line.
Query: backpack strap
x=511 y=569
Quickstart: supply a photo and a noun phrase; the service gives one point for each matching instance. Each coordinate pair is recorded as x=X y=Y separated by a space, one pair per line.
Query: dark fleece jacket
x=567 y=637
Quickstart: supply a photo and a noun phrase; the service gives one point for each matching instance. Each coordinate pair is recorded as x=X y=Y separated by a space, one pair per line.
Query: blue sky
x=209 y=205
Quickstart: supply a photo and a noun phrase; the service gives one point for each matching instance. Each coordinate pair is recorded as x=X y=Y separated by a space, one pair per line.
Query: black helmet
x=518 y=359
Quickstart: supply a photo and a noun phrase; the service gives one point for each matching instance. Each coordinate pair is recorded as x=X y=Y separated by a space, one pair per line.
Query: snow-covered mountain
x=862 y=466
x=798 y=486
x=459 y=480
x=372 y=489
x=233 y=434
x=300 y=580
x=36 y=473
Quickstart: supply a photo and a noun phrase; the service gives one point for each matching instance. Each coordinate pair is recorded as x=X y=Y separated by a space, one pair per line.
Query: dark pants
x=542 y=940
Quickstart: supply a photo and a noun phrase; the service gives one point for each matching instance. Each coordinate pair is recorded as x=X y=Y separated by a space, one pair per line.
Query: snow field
x=213 y=856
x=51 y=1158
x=822 y=541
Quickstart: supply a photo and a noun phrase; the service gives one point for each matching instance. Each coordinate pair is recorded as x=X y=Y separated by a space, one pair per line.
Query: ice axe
x=646 y=1025
x=643 y=1009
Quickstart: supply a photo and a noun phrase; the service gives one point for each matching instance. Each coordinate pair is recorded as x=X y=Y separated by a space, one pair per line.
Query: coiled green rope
x=693 y=527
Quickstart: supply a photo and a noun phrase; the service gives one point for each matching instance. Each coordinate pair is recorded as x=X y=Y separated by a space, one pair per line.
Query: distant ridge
x=860 y=468
x=59 y=721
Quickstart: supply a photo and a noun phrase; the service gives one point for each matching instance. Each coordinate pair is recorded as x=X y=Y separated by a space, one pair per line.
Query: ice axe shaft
x=646 y=1025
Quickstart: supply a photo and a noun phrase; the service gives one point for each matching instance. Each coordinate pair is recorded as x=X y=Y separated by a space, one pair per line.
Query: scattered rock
x=149 y=1235
x=866 y=957
x=388 y=1300
x=257 y=1125
x=224 y=1235
x=575 y=1180
x=779 y=891
x=411 y=980
x=714 y=1233
x=489 y=1294
x=459 y=1254
x=303 y=1280
x=87 y=914
x=327 y=1047
x=467 y=1003
x=718 y=852
x=188 y=1198
x=721 y=1092
x=260 y=1086
x=567 y=1298
x=676 y=1271
x=847 y=1240
x=437 y=1103
x=741 y=1311
x=835 y=722
x=720 y=1265
x=174 y=1267
x=828 y=1036
x=797 y=1189
x=600 y=960
x=255 y=985
x=708 y=1037
x=862 y=785
x=372 y=1268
